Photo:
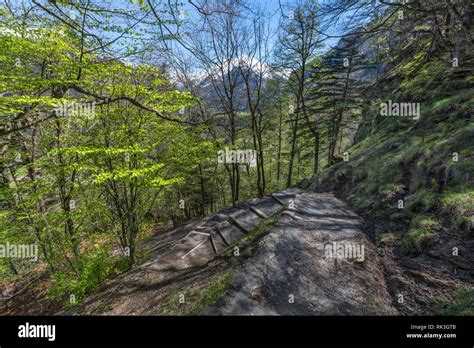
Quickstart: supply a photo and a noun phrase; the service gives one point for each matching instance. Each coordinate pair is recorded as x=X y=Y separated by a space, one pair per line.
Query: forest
x=121 y=121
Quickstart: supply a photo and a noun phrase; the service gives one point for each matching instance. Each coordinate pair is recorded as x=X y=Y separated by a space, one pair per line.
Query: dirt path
x=295 y=268
x=314 y=260
x=293 y=273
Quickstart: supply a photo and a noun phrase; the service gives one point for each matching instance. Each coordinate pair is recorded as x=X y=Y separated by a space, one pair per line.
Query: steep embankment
x=412 y=181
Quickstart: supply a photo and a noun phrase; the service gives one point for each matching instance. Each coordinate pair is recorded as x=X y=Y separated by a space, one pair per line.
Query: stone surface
x=291 y=272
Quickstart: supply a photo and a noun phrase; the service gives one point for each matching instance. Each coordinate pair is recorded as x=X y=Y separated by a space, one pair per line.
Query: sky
x=272 y=7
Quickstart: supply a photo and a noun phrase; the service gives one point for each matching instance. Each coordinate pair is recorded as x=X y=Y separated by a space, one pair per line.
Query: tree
x=298 y=44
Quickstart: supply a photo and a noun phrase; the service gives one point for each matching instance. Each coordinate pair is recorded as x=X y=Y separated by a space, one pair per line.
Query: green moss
x=465 y=167
x=392 y=151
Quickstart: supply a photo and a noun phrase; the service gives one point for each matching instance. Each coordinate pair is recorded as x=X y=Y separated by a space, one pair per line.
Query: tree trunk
x=292 y=152
x=316 y=154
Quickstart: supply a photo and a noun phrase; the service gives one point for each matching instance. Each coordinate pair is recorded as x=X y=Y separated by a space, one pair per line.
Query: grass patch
x=462 y=305
x=387 y=239
x=423 y=229
x=362 y=201
x=443 y=103
x=386 y=188
x=196 y=301
x=423 y=201
x=416 y=241
x=461 y=207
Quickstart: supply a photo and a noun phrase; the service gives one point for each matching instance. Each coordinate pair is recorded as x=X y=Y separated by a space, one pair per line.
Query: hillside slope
x=412 y=180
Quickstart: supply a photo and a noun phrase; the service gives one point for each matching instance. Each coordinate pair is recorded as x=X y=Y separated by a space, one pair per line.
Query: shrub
x=92 y=268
